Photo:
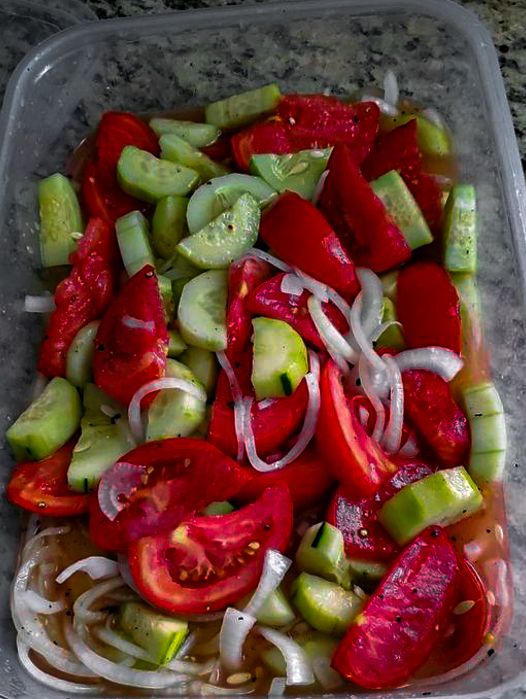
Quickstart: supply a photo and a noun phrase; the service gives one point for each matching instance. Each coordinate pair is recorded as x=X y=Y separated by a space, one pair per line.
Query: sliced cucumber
x=226 y=238
x=442 y=498
x=460 y=230
x=389 y=282
x=146 y=177
x=214 y=197
x=80 y=355
x=276 y=611
x=177 y=150
x=181 y=268
x=487 y=467
x=47 y=423
x=322 y=552
x=432 y=139
x=167 y=297
x=218 y=508
x=176 y=344
x=468 y=292
x=168 y=225
x=202 y=311
x=274 y=660
x=392 y=337
x=203 y=364
x=159 y=635
x=280 y=358
x=60 y=216
x=367 y=574
x=134 y=241
x=482 y=401
x=238 y=110
x=198 y=135
x=298 y=172
x=488 y=432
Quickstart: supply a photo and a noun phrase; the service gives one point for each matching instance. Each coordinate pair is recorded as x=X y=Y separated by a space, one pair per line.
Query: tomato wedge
x=102 y=197
x=301 y=236
x=208 y=563
x=117 y=130
x=132 y=340
x=42 y=486
x=356 y=460
x=403 y=620
x=181 y=477
x=267 y=137
x=82 y=296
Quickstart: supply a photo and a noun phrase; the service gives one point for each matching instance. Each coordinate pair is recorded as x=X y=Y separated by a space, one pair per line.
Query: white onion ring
x=274 y=568
x=363 y=342
x=97 y=567
x=372 y=300
x=234 y=631
x=291 y=284
x=39 y=304
x=111 y=638
x=267 y=257
x=439 y=360
x=372 y=395
x=40 y=605
x=391 y=89
x=392 y=435
x=237 y=397
x=299 y=671
x=116 y=485
x=318 y=189
x=277 y=687
x=331 y=337
x=319 y=289
x=383 y=106
x=81 y=607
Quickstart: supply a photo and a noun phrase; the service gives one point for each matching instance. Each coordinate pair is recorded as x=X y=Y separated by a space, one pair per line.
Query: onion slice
x=277 y=687
x=372 y=300
x=362 y=340
x=81 y=606
x=391 y=89
x=39 y=304
x=291 y=284
x=299 y=670
x=392 y=436
x=116 y=485
x=97 y=567
x=385 y=107
x=234 y=631
x=439 y=360
x=319 y=289
x=374 y=399
x=40 y=605
x=237 y=397
x=267 y=257
x=274 y=569
x=333 y=340
x=326 y=676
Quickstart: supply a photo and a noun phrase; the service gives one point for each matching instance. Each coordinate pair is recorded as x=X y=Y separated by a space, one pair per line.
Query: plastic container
x=443 y=57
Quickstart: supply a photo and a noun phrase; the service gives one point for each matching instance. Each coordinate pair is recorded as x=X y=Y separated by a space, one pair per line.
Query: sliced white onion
x=330 y=335
x=266 y=403
x=439 y=360
x=277 y=687
x=116 y=485
x=326 y=676
x=291 y=284
x=267 y=257
x=383 y=106
x=318 y=189
x=381 y=328
x=372 y=299
x=97 y=567
x=234 y=631
x=274 y=569
x=372 y=395
x=188 y=667
x=237 y=397
x=40 y=605
x=299 y=670
x=363 y=342
x=29 y=547
x=410 y=446
x=39 y=304
x=113 y=639
x=319 y=289
x=391 y=89
x=138 y=324
x=125 y=572
x=392 y=436
x=207 y=689
x=167 y=382
x=81 y=607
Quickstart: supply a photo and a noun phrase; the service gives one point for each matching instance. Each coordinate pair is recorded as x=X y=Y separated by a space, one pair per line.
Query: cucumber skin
x=322 y=552
x=236 y=110
x=60 y=215
x=197 y=135
x=203 y=364
x=177 y=150
x=485 y=412
x=168 y=225
x=213 y=338
x=80 y=355
x=460 y=232
x=134 y=242
x=157 y=634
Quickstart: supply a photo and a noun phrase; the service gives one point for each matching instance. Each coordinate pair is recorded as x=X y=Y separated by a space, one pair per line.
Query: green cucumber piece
x=203 y=364
x=202 y=311
x=148 y=178
x=175 y=413
x=226 y=238
x=176 y=344
x=168 y=225
x=60 y=216
x=322 y=553
x=432 y=139
x=134 y=241
x=167 y=297
x=47 y=423
x=159 y=635
x=393 y=336
x=297 y=172
x=181 y=268
x=177 y=150
x=488 y=432
x=274 y=660
x=218 y=508
x=276 y=610
x=442 y=498
x=468 y=292
x=366 y=574
x=177 y=288
x=460 y=230
x=214 y=197
x=487 y=467
x=241 y=109
x=280 y=358
x=197 y=135
x=326 y=606
x=389 y=282
x=80 y=355
x=482 y=401
x=402 y=208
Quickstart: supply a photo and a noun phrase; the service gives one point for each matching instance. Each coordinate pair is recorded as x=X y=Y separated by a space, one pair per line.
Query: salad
x=264 y=452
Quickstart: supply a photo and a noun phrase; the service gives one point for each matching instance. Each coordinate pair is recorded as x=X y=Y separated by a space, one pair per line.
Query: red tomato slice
x=428 y=307
x=220 y=149
x=181 y=477
x=436 y=416
x=42 y=486
x=356 y=460
x=119 y=129
x=82 y=296
x=268 y=300
x=300 y=235
x=307 y=477
x=244 y=276
x=208 y=563
x=102 y=196
x=267 y=137
x=359 y=217
x=132 y=340
x=403 y=620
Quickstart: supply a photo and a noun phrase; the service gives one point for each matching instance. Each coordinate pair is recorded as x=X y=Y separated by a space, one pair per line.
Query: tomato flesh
x=102 y=197
x=117 y=130
x=267 y=137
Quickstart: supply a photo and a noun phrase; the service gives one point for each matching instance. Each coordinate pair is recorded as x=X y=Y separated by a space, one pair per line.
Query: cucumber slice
x=487 y=467
x=60 y=216
x=168 y=225
x=389 y=282
x=80 y=355
x=460 y=230
x=47 y=423
x=366 y=574
x=176 y=344
x=218 y=508
x=276 y=611
x=442 y=498
x=167 y=297
x=148 y=178
x=468 y=292
x=197 y=135
x=202 y=311
x=226 y=238
x=238 y=110
x=177 y=150
x=175 y=413
x=432 y=140
x=488 y=433
x=159 y=635
x=203 y=364
x=322 y=552
x=274 y=660
x=177 y=288
x=181 y=268
x=280 y=358
x=326 y=606
x=402 y=208
x=392 y=337
x=134 y=242
x=482 y=400
x=297 y=172
x=214 y=197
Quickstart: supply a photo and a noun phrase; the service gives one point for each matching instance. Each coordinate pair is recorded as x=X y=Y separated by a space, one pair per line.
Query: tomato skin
x=403 y=619
x=428 y=307
x=266 y=137
x=82 y=296
x=359 y=217
x=214 y=543
x=117 y=130
x=42 y=486
x=102 y=197
x=244 y=276
x=301 y=236
x=268 y=300
x=356 y=460
x=437 y=417
x=128 y=357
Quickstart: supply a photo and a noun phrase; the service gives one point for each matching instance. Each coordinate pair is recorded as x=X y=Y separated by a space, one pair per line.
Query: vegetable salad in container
x=265 y=452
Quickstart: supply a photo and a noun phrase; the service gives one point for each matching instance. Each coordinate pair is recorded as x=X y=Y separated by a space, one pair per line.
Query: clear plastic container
x=443 y=57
